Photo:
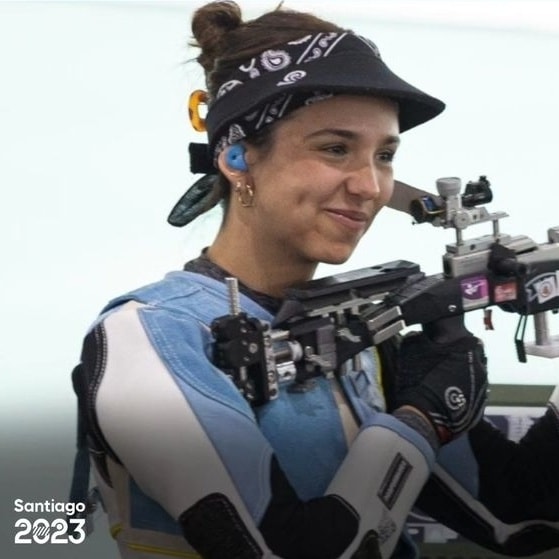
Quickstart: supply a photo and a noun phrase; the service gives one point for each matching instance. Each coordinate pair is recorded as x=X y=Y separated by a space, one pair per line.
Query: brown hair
x=226 y=42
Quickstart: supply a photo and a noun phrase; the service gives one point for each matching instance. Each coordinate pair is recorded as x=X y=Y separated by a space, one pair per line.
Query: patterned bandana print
x=270 y=113
x=275 y=70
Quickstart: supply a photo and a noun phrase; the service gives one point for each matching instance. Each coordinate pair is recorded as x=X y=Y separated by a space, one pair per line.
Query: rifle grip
x=446 y=330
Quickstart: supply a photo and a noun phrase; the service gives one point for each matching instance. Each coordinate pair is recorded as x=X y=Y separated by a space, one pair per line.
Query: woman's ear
x=232 y=164
x=232 y=160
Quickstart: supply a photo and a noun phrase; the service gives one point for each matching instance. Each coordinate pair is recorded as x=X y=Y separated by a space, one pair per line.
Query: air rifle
x=324 y=324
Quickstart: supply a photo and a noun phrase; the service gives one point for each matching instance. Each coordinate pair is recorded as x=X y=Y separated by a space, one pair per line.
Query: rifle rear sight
x=506 y=260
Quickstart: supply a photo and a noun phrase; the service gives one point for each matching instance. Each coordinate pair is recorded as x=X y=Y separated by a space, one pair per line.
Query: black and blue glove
x=446 y=382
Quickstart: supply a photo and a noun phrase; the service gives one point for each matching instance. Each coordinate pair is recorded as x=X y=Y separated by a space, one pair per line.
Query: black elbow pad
x=214 y=528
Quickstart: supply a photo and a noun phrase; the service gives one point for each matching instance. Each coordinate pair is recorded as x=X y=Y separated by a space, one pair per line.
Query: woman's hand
x=446 y=383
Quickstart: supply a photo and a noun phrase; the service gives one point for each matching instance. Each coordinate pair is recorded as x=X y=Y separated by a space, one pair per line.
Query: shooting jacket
x=187 y=468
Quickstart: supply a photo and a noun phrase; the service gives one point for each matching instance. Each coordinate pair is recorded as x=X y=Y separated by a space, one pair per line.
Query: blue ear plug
x=235 y=157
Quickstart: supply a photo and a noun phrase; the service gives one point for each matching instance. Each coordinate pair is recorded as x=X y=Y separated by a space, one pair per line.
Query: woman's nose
x=365 y=182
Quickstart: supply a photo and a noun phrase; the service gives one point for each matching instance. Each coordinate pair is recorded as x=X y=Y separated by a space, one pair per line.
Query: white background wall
x=93 y=154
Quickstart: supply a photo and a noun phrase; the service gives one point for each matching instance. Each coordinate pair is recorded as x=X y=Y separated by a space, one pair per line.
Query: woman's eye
x=387 y=156
x=337 y=149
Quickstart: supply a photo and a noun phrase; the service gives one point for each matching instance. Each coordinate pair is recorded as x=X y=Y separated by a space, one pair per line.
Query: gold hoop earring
x=246 y=196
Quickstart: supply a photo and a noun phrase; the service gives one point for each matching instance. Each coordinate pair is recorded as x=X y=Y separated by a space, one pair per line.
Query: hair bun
x=210 y=25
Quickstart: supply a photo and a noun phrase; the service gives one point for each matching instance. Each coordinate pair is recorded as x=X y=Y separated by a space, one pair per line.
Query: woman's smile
x=349 y=219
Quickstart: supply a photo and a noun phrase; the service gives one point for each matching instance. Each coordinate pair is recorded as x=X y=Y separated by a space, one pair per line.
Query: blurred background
x=94 y=135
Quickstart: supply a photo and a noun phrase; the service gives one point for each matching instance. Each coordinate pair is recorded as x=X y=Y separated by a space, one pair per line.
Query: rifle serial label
x=543 y=287
x=505 y=292
x=475 y=292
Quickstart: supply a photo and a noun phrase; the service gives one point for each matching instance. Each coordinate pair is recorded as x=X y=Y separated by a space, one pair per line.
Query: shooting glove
x=446 y=382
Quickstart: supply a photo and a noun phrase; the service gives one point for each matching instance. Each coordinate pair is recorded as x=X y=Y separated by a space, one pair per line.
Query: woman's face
x=324 y=179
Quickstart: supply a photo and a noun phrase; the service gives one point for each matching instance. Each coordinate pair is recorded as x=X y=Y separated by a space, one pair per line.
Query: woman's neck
x=261 y=267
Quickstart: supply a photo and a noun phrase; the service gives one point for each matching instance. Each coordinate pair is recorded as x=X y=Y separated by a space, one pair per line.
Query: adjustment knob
x=449 y=186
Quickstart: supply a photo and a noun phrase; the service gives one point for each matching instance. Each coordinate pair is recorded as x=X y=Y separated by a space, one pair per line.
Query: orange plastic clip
x=197 y=98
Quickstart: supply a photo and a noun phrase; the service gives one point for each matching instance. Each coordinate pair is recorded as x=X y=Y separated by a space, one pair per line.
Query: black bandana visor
x=301 y=72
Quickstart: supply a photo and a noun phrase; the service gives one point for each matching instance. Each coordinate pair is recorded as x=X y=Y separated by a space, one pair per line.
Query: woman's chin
x=339 y=256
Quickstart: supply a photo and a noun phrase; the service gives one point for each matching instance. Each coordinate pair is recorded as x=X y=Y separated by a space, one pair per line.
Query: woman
x=303 y=123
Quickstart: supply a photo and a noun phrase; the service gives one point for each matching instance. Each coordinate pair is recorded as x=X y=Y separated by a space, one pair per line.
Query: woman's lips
x=354 y=220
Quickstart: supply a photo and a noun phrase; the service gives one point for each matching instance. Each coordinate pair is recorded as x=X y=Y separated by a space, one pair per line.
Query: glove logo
x=454 y=398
